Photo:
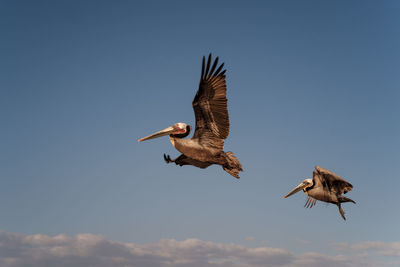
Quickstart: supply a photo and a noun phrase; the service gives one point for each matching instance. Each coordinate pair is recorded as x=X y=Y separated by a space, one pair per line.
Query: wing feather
x=219 y=69
x=210 y=104
x=208 y=65
x=214 y=65
x=310 y=202
x=331 y=181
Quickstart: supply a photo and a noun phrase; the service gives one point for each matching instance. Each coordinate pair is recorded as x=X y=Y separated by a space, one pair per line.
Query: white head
x=180 y=127
x=302 y=186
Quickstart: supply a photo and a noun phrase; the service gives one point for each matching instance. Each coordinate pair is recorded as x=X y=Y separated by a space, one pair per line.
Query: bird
x=325 y=186
x=212 y=125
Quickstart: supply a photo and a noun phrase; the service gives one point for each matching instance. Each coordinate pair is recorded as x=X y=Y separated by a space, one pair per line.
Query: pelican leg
x=341 y=211
x=345 y=199
x=168 y=159
x=183 y=160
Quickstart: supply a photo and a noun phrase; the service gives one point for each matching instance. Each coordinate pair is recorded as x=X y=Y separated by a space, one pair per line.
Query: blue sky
x=309 y=83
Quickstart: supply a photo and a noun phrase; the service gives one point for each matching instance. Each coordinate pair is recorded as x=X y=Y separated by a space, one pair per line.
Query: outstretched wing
x=331 y=181
x=210 y=104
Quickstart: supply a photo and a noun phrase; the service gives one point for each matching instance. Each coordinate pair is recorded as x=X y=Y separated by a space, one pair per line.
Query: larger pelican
x=324 y=186
x=212 y=125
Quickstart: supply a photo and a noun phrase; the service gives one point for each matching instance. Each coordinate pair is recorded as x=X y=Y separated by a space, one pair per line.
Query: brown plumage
x=325 y=186
x=330 y=181
x=210 y=103
x=212 y=125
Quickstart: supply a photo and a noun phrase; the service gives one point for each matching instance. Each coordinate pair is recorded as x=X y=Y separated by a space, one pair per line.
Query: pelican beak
x=297 y=189
x=166 y=131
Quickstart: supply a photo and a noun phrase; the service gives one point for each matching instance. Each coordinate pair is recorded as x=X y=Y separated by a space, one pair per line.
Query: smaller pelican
x=324 y=186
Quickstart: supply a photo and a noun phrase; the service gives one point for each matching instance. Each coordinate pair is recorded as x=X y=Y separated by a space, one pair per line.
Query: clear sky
x=308 y=83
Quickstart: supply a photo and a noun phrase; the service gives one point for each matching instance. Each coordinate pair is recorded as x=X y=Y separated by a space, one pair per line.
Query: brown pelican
x=212 y=125
x=324 y=186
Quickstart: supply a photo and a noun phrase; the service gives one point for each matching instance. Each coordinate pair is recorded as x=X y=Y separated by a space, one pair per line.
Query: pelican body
x=212 y=125
x=325 y=186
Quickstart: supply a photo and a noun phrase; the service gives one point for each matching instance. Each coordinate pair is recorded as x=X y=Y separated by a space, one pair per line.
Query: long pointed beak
x=297 y=189
x=166 y=131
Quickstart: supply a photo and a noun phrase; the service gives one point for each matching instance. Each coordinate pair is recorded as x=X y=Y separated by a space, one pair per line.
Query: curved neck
x=309 y=188
x=183 y=135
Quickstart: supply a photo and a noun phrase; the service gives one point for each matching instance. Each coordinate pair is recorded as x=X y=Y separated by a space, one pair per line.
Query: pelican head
x=302 y=186
x=179 y=130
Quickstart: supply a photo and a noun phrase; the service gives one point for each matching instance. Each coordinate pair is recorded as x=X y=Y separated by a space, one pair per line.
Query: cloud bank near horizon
x=94 y=250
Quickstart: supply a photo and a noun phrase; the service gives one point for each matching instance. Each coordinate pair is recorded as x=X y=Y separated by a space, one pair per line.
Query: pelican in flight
x=212 y=125
x=324 y=186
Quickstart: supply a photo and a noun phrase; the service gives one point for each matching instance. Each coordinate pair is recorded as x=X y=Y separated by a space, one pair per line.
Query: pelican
x=325 y=186
x=212 y=125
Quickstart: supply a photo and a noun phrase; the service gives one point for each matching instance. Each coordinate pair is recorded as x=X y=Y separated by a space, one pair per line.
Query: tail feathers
x=233 y=172
x=232 y=166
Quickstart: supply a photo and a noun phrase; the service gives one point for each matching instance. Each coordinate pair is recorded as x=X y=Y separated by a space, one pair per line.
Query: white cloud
x=94 y=250
x=381 y=248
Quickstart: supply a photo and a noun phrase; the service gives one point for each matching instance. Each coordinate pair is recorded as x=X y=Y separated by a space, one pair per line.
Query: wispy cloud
x=94 y=250
x=381 y=248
